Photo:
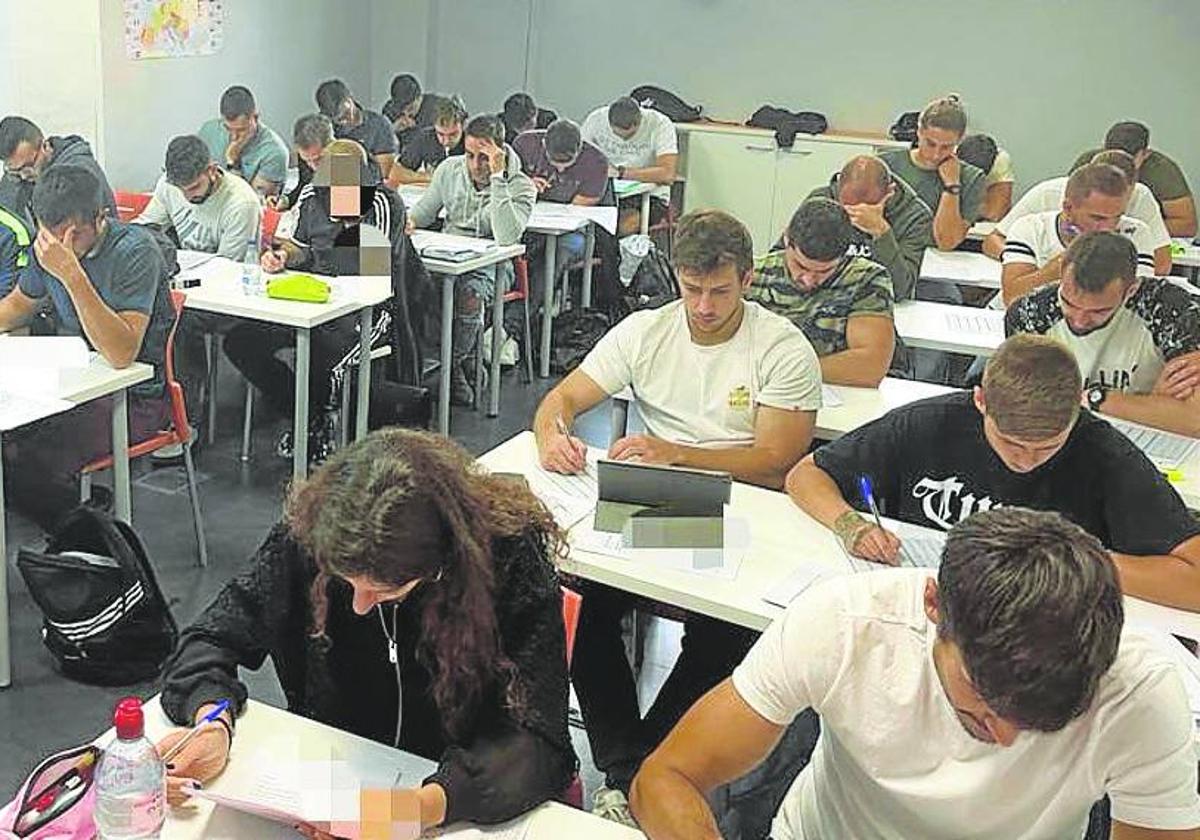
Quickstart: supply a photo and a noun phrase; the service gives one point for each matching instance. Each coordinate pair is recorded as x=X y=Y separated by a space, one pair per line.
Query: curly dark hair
x=402 y=505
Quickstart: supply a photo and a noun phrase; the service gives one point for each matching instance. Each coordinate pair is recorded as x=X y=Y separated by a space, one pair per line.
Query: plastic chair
x=270 y=222
x=572 y=602
x=130 y=204
x=180 y=433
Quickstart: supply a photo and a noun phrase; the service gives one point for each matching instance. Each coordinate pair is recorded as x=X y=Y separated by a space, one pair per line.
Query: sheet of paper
x=787 y=590
x=42 y=352
x=978 y=322
x=517 y=829
x=919 y=547
x=425 y=240
x=569 y=497
x=1163 y=448
x=547 y=213
x=829 y=397
x=189 y=260
x=17 y=409
x=961 y=267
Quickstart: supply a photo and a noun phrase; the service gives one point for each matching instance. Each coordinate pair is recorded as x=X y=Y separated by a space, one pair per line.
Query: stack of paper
x=449 y=247
x=569 y=497
x=1167 y=450
x=960 y=267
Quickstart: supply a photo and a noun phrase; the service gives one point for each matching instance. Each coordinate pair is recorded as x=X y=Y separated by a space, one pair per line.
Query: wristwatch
x=953 y=189
x=1096 y=395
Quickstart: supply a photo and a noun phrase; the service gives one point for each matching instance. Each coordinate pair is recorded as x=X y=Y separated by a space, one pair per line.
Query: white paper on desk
x=569 y=497
x=985 y=322
x=550 y=211
x=920 y=548
x=960 y=267
x=517 y=829
x=711 y=562
x=189 y=260
x=789 y=589
x=17 y=408
x=829 y=397
x=1166 y=450
x=1185 y=662
x=42 y=352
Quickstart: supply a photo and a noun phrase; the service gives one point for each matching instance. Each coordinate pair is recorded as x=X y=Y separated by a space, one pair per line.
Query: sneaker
x=168 y=456
x=610 y=804
x=101 y=498
x=461 y=392
x=320 y=444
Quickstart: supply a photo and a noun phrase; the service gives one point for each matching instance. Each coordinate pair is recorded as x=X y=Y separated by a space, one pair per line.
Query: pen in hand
x=864 y=487
x=214 y=713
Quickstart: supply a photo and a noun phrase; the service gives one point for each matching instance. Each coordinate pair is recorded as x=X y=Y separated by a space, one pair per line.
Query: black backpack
x=105 y=619
x=904 y=128
x=574 y=334
x=787 y=124
x=665 y=102
x=653 y=285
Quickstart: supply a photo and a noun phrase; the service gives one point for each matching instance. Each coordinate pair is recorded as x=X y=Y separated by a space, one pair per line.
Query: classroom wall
x=1046 y=77
x=400 y=31
x=280 y=49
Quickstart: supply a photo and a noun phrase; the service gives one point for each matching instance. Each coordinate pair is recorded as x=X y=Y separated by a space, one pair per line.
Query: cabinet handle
x=750 y=147
x=798 y=151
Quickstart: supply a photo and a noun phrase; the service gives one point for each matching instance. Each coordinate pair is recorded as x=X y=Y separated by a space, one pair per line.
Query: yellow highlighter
x=1173 y=475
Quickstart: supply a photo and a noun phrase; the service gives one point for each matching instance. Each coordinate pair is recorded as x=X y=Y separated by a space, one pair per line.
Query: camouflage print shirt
x=861 y=287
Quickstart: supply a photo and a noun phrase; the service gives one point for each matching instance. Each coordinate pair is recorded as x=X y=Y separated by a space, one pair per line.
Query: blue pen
x=864 y=487
x=213 y=714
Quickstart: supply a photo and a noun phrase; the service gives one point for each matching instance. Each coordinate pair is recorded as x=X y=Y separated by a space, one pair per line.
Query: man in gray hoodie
x=484 y=194
x=28 y=154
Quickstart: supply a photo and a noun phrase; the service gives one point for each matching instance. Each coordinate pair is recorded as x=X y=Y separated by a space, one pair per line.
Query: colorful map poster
x=173 y=28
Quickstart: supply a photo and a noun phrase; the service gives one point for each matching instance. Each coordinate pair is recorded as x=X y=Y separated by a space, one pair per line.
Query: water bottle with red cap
x=131 y=782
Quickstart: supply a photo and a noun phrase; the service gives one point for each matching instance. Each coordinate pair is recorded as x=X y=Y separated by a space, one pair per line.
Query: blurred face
x=369 y=593
x=476 y=151
x=311 y=155
x=1019 y=455
x=199 y=190
x=240 y=128
x=1096 y=212
x=934 y=145
x=808 y=273
x=713 y=300
x=448 y=134
x=1086 y=312
x=345 y=188
x=28 y=160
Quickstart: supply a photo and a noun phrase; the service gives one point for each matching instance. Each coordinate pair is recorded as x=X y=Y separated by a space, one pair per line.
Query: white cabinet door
x=799 y=171
x=734 y=173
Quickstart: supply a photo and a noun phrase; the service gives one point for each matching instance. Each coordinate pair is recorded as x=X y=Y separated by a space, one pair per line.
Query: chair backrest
x=520 y=289
x=270 y=221
x=130 y=204
x=178 y=407
x=572 y=602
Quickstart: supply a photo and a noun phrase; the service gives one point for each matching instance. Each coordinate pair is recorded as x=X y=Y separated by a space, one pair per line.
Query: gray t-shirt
x=264 y=156
x=927 y=184
x=225 y=224
x=374 y=133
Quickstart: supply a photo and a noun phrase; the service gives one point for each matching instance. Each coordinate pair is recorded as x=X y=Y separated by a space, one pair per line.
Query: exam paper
x=569 y=497
x=973 y=323
x=960 y=267
x=17 y=409
x=790 y=588
x=42 y=352
x=1165 y=449
x=829 y=397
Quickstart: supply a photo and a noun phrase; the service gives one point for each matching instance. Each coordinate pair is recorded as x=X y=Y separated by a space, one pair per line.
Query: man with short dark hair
x=995 y=698
x=409 y=108
x=565 y=168
x=1160 y=173
x=1094 y=199
x=721 y=384
x=311 y=135
x=954 y=191
x=1123 y=330
x=353 y=122
x=842 y=303
x=428 y=147
x=28 y=154
x=521 y=113
x=891 y=225
x=106 y=281
x=241 y=143
x=641 y=145
x=208 y=209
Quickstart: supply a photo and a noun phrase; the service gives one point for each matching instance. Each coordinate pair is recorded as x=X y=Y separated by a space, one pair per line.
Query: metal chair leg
x=527 y=350
x=247 y=422
x=210 y=351
x=85 y=487
x=194 y=495
x=344 y=412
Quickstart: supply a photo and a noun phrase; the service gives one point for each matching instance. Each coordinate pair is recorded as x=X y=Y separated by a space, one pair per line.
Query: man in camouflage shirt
x=842 y=303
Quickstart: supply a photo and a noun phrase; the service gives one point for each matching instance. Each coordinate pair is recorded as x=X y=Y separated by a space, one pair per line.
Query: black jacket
x=510 y=761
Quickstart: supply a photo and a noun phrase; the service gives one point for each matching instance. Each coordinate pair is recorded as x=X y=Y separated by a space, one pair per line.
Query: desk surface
x=961 y=267
x=264 y=727
x=863 y=405
x=548 y=217
x=944 y=326
x=99 y=379
x=1190 y=258
x=493 y=255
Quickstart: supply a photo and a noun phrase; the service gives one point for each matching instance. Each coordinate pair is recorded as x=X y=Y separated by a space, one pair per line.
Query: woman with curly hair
x=409 y=597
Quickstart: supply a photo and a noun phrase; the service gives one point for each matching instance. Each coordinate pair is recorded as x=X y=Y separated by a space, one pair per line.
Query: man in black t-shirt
x=1020 y=439
x=429 y=146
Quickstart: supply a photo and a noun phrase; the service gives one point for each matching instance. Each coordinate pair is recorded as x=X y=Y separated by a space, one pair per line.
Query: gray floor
x=43 y=712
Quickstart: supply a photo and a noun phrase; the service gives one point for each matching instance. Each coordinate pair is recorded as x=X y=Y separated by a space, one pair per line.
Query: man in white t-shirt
x=998 y=176
x=1094 y=200
x=641 y=145
x=999 y=701
x=721 y=384
x=1048 y=195
x=208 y=209
x=1123 y=331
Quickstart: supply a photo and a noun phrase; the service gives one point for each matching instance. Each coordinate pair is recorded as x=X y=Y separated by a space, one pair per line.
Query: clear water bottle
x=252 y=283
x=131 y=782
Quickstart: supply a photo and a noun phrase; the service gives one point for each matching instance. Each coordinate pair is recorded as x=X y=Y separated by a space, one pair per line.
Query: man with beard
x=28 y=154
x=1131 y=337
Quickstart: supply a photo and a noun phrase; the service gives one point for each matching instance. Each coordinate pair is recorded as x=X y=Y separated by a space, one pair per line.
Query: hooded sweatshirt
x=499 y=211
x=17 y=194
x=900 y=249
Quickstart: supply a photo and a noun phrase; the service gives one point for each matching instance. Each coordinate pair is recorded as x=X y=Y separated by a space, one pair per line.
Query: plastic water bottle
x=251 y=272
x=131 y=782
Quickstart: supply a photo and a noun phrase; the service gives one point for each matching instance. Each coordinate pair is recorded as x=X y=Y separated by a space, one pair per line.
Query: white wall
x=280 y=49
x=1046 y=78
x=400 y=32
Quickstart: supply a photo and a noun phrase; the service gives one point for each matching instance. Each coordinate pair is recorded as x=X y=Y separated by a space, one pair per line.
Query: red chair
x=179 y=433
x=270 y=221
x=571 y=604
x=130 y=204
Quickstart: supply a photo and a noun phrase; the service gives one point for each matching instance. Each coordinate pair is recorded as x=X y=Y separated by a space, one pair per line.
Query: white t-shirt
x=1002 y=169
x=655 y=136
x=225 y=224
x=1048 y=195
x=706 y=395
x=894 y=761
x=1034 y=240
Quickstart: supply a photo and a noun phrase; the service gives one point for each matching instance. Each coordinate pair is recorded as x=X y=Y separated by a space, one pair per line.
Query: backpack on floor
x=574 y=334
x=105 y=620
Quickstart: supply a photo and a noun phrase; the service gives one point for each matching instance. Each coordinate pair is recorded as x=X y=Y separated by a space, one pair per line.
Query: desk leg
x=547 y=304
x=645 y=214
x=443 y=418
x=364 y=373
x=5 y=652
x=497 y=321
x=120 y=449
x=300 y=420
x=589 y=254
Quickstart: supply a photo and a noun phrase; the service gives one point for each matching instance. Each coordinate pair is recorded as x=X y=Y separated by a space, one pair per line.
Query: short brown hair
x=1031 y=387
x=1120 y=159
x=1103 y=178
x=946 y=113
x=1128 y=136
x=449 y=111
x=1098 y=258
x=707 y=240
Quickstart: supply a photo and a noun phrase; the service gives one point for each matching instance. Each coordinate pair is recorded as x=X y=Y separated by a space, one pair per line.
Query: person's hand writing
x=273 y=262
x=877 y=545
x=868 y=218
x=563 y=453
x=950 y=170
x=57 y=256
x=541 y=184
x=1180 y=377
x=277 y=202
x=644 y=448
x=202 y=759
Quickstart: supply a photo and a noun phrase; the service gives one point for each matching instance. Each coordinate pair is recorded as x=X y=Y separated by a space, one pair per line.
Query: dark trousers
x=42 y=461
x=604 y=683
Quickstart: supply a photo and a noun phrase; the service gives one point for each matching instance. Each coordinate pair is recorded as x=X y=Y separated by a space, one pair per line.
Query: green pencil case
x=301 y=287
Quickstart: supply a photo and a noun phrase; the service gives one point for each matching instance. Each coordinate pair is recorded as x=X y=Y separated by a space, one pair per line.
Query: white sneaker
x=610 y=804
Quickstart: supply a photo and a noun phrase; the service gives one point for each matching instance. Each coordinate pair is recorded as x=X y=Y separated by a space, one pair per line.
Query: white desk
x=263 y=728
x=944 y=326
x=99 y=379
x=962 y=268
x=220 y=291
x=861 y=406
x=450 y=272
x=625 y=188
x=783 y=538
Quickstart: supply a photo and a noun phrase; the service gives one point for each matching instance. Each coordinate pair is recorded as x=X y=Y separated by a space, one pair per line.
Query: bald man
x=892 y=226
